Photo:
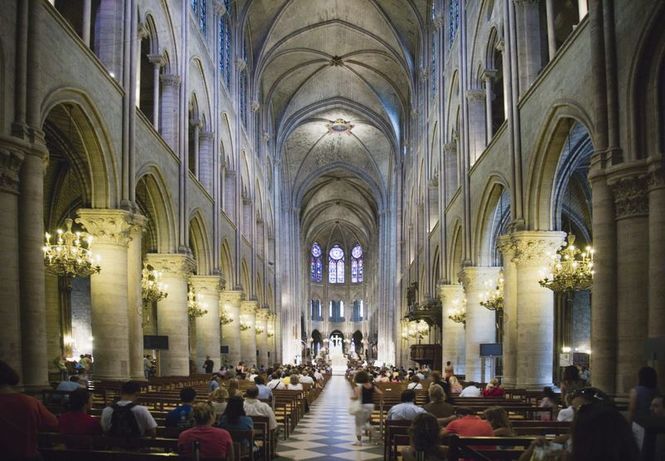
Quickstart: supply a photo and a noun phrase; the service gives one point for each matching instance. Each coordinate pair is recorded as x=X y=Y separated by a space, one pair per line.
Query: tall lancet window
x=357 y=264
x=336 y=265
x=316 y=264
x=225 y=44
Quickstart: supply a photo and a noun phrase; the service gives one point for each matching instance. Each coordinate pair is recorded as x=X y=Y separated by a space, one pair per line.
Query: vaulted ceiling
x=318 y=61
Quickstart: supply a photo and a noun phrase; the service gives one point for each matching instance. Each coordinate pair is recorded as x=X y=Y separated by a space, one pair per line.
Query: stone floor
x=327 y=432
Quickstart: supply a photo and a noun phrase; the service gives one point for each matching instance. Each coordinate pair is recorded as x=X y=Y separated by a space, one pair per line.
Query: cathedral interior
x=279 y=181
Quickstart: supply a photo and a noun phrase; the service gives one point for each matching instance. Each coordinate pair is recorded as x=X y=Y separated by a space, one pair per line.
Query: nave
x=327 y=431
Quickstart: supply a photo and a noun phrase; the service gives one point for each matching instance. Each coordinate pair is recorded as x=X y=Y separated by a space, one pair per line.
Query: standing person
x=61 y=364
x=21 y=418
x=448 y=371
x=208 y=365
x=363 y=391
x=147 y=366
x=213 y=442
x=127 y=419
x=571 y=381
x=640 y=396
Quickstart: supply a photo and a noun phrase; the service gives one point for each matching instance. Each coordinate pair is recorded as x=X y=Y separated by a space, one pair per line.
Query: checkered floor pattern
x=327 y=432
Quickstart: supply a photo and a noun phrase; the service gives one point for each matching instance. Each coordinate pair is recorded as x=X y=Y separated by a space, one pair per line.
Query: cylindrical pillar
x=527 y=19
x=170 y=95
x=533 y=252
x=229 y=303
x=207 y=327
x=632 y=208
x=10 y=346
x=134 y=297
x=247 y=332
x=551 y=33
x=261 y=337
x=87 y=20
x=657 y=257
x=453 y=334
x=32 y=282
x=109 y=291
x=480 y=322
x=157 y=61
x=204 y=169
x=172 y=318
x=487 y=76
x=509 y=345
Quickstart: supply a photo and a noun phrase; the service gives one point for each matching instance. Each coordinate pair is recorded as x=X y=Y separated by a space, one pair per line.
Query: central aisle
x=328 y=431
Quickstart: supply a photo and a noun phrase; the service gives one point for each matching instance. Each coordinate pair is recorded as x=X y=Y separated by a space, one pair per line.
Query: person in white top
x=318 y=375
x=415 y=383
x=294 y=384
x=470 y=391
x=275 y=383
x=305 y=378
x=128 y=394
x=254 y=407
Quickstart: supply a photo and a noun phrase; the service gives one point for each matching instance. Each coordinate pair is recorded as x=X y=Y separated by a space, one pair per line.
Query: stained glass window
x=358 y=310
x=243 y=96
x=225 y=45
x=435 y=32
x=453 y=19
x=336 y=265
x=195 y=5
x=203 y=15
x=316 y=309
x=357 y=264
x=316 y=264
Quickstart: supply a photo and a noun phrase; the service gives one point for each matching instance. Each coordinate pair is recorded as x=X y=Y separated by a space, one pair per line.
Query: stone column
x=229 y=301
x=476 y=102
x=247 y=332
x=204 y=168
x=453 y=334
x=632 y=209
x=527 y=18
x=487 y=76
x=87 y=12
x=157 y=61
x=170 y=95
x=135 y=299
x=10 y=345
x=109 y=291
x=551 y=34
x=261 y=336
x=532 y=253
x=172 y=318
x=32 y=281
x=509 y=345
x=207 y=327
x=657 y=256
x=480 y=322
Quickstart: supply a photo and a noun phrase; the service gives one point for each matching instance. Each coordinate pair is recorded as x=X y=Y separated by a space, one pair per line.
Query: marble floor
x=327 y=432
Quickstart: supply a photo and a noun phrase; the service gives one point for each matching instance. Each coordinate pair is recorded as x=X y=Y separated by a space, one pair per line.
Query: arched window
x=200 y=10
x=225 y=44
x=433 y=73
x=316 y=310
x=358 y=310
x=453 y=20
x=336 y=265
x=357 y=264
x=242 y=89
x=316 y=264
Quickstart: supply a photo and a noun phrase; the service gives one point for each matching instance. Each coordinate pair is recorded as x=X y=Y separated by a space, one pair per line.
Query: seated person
x=213 y=384
x=438 y=406
x=218 y=401
x=127 y=419
x=71 y=385
x=213 y=442
x=548 y=401
x=424 y=437
x=415 y=383
x=471 y=390
x=254 y=407
x=498 y=419
x=455 y=385
x=275 y=382
x=234 y=387
x=407 y=410
x=77 y=421
x=294 y=383
x=181 y=416
x=234 y=417
x=468 y=425
x=568 y=413
x=493 y=389
x=264 y=391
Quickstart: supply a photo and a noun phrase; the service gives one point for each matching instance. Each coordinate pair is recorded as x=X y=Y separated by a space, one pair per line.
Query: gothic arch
x=92 y=153
x=228 y=270
x=456 y=252
x=541 y=171
x=199 y=240
x=156 y=204
x=484 y=240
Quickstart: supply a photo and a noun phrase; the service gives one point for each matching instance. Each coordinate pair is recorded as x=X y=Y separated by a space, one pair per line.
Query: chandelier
x=494 y=299
x=152 y=289
x=70 y=255
x=194 y=307
x=572 y=269
x=259 y=330
x=271 y=325
x=245 y=325
x=225 y=317
x=457 y=313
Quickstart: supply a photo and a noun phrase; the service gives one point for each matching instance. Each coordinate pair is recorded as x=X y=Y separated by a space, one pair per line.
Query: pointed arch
x=199 y=243
x=226 y=261
x=156 y=204
x=492 y=207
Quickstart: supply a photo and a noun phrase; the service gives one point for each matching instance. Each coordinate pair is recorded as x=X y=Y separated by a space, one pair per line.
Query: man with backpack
x=126 y=419
x=181 y=416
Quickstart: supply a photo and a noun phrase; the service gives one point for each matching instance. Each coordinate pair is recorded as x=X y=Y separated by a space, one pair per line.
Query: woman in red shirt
x=493 y=389
x=77 y=421
x=213 y=441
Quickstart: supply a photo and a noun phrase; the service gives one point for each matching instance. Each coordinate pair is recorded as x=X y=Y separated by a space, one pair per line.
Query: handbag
x=355 y=407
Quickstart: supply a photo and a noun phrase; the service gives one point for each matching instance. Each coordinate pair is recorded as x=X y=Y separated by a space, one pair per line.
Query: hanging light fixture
x=494 y=299
x=458 y=312
x=572 y=269
x=70 y=254
x=245 y=325
x=225 y=317
x=194 y=307
x=152 y=289
x=271 y=326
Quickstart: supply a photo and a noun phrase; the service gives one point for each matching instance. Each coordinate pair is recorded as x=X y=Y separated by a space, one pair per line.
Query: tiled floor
x=327 y=432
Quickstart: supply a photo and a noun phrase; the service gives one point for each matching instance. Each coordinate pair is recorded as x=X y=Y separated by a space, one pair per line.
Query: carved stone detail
x=474 y=95
x=630 y=197
x=170 y=80
x=231 y=296
x=249 y=308
x=206 y=284
x=107 y=226
x=177 y=264
x=531 y=247
x=478 y=278
x=10 y=166
x=656 y=179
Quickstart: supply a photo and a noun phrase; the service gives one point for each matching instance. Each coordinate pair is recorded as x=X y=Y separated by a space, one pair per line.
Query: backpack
x=181 y=417
x=123 y=421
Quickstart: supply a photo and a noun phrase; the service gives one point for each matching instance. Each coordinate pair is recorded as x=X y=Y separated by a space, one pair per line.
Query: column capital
x=450 y=290
x=656 y=175
x=231 y=296
x=11 y=160
x=488 y=74
x=475 y=95
x=249 y=307
x=450 y=147
x=630 y=196
x=206 y=284
x=170 y=80
x=142 y=31
x=173 y=263
x=137 y=224
x=107 y=226
x=528 y=248
x=477 y=277
x=157 y=59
